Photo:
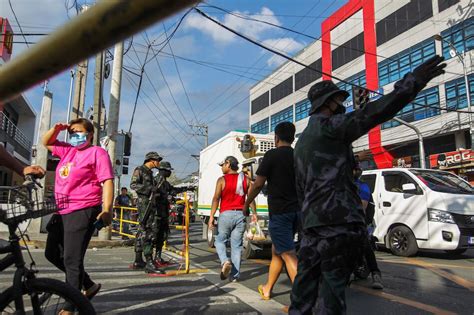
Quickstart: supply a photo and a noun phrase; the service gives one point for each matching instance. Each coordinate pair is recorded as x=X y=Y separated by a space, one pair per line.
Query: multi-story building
x=17 y=117
x=373 y=44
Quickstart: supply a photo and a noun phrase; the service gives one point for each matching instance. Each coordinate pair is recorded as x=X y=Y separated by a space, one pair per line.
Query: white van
x=421 y=209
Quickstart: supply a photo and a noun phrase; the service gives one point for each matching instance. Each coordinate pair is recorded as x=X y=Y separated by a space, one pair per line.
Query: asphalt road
x=429 y=283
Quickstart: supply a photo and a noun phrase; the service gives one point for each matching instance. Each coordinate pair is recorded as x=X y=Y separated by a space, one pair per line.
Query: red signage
x=6 y=39
x=452 y=160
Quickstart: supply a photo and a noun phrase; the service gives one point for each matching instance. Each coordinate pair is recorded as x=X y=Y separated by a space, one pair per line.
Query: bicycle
x=46 y=296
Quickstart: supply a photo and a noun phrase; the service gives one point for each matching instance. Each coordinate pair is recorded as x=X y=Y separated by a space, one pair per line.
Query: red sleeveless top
x=230 y=200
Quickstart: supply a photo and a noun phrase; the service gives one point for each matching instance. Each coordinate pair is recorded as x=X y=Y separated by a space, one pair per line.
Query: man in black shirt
x=277 y=168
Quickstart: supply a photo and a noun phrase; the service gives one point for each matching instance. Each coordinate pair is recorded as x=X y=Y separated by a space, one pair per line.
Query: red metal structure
x=382 y=158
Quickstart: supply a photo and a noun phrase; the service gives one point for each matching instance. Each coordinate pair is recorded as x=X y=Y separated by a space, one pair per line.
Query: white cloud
x=285 y=45
x=250 y=28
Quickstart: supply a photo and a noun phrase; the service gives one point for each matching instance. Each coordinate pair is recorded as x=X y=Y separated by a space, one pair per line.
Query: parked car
x=421 y=209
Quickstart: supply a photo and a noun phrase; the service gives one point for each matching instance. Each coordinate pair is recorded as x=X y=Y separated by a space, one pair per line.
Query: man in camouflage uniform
x=333 y=219
x=163 y=195
x=145 y=186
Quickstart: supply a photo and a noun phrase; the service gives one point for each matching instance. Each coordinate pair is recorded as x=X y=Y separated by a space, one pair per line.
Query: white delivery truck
x=421 y=209
x=249 y=150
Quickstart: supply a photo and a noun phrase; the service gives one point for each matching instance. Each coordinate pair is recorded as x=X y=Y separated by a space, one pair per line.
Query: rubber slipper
x=260 y=290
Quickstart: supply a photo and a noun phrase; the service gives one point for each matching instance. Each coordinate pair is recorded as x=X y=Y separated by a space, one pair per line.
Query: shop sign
x=454 y=159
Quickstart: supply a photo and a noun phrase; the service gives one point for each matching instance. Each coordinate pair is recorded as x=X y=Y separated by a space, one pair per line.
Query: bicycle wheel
x=45 y=296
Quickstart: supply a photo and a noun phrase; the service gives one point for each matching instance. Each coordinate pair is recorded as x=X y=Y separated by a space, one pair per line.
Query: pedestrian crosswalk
x=126 y=291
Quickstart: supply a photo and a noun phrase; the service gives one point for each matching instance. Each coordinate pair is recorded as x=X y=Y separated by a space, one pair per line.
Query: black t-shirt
x=277 y=167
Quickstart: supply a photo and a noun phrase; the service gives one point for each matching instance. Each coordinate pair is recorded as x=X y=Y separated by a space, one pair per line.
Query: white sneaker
x=377 y=281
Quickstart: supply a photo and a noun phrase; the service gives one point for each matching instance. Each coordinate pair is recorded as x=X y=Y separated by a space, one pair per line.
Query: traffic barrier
x=185 y=228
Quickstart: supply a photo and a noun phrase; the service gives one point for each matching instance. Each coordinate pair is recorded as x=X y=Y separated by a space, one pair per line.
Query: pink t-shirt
x=79 y=175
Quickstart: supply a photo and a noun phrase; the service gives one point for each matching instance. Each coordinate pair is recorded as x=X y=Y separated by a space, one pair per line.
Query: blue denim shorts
x=282 y=228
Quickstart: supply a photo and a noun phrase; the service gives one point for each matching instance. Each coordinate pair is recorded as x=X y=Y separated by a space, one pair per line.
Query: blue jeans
x=230 y=224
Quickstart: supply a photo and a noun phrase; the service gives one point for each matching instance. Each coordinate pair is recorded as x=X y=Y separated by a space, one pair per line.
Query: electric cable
x=18 y=22
x=298 y=62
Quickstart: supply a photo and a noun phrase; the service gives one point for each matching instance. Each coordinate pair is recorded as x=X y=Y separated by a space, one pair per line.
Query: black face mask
x=165 y=173
x=341 y=109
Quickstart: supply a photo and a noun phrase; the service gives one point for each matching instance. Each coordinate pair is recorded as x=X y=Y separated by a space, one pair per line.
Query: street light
x=461 y=56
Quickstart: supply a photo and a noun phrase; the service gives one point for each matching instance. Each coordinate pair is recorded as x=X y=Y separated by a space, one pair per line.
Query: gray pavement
x=431 y=283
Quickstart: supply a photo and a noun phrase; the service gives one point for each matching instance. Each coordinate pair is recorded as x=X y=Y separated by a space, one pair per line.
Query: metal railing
x=14 y=133
x=127 y=218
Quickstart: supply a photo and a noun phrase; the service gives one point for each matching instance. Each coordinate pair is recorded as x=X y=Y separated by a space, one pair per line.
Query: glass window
x=394 y=181
x=394 y=68
x=369 y=179
x=443 y=182
x=260 y=127
x=281 y=116
x=456 y=92
x=302 y=109
x=461 y=35
x=425 y=105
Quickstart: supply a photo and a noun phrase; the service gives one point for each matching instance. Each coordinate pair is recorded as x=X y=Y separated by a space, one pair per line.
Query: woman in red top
x=231 y=191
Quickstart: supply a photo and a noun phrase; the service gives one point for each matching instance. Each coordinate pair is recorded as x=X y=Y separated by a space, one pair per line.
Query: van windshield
x=443 y=182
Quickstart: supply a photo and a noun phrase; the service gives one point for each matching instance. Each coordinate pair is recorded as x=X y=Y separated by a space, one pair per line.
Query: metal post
x=468 y=98
x=420 y=140
x=68 y=116
x=186 y=239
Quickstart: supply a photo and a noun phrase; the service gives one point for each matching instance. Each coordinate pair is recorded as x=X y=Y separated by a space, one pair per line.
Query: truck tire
x=402 y=242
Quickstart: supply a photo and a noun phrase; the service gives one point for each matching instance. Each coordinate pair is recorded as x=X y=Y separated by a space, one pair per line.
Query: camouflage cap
x=320 y=92
x=153 y=156
x=165 y=165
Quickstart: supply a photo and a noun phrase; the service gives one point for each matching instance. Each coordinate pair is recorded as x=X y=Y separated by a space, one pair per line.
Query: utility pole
x=68 y=115
x=41 y=158
x=80 y=84
x=421 y=147
x=114 y=111
x=201 y=130
x=98 y=91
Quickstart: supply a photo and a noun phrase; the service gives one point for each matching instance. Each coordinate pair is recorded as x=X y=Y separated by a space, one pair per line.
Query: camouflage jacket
x=165 y=191
x=324 y=159
x=142 y=181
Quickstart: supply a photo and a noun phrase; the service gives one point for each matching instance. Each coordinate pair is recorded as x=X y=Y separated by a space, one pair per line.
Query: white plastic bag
x=255 y=232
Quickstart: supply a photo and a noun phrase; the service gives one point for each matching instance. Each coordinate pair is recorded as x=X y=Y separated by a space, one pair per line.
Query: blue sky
x=212 y=93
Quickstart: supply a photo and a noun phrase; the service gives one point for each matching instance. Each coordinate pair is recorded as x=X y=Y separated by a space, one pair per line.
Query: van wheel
x=402 y=242
x=211 y=237
x=456 y=252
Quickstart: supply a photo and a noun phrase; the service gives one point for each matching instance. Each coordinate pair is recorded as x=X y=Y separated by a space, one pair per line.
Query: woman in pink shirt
x=84 y=174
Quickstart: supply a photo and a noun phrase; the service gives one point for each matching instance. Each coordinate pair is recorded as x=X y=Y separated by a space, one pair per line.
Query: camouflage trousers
x=146 y=231
x=327 y=256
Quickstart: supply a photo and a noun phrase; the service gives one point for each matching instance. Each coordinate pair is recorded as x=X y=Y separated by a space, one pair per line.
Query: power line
x=18 y=22
x=179 y=75
x=300 y=63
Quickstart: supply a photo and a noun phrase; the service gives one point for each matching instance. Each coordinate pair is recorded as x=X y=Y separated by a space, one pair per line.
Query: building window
x=348 y=51
x=394 y=68
x=456 y=93
x=260 y=102
x=400 y=21
x=283 y=89
x=358 y=79
x=461 y=35
x=260 y=127
x=281 y=116
x=418 y=110
x=307 y=75
x=444 y=4
x=302 y=109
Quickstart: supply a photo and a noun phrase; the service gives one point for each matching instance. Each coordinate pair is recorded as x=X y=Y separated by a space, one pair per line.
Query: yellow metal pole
x=121 y=218
x=186 y=240
x=103 y=25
